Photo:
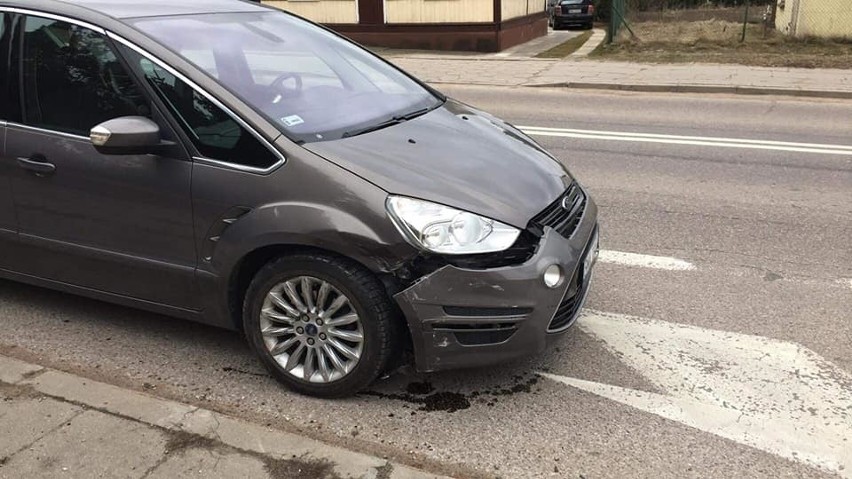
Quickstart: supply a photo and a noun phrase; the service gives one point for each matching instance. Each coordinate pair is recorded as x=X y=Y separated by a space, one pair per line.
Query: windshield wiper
x=395 y=120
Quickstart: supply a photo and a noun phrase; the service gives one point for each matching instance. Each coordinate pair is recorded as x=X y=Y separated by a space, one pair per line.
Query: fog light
x=553 y=276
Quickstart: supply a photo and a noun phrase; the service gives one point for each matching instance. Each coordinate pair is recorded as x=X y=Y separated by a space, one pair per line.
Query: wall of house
x=439 y=11
x=521 y=8
x=324 y=11
x=820 y=18
x=459 y=25
x=784 y=16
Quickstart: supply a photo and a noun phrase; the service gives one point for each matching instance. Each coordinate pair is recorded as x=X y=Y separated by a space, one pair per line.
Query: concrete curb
x=597 y=38
x=175 y=416
x=736 y=90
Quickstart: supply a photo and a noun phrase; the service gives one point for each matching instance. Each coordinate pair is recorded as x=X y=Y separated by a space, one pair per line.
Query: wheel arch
x=247 y=267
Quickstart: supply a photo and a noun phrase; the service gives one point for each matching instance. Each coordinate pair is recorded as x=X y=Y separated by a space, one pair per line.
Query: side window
x=215 y=134
x=73 y=79
x=10 y=102
x=4 y=69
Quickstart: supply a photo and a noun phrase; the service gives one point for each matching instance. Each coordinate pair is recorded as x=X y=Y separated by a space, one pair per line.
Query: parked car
x=232 y=164
x=572 y=13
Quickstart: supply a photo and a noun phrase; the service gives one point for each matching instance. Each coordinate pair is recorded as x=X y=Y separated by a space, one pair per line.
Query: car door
x=110 y=223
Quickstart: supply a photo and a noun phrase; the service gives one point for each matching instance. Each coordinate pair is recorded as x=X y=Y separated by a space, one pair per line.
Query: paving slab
x=13 y=371
x=278 y=444
x=56 y=424
x=150 y=410
x=91 y=445
x=541 y=44
x=26 y=420
x=597 y=38
x=207 y=464
x=582 y=73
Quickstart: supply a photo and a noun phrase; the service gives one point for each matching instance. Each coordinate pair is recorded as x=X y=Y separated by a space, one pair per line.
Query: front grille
x=563 y=215
x=485 y=312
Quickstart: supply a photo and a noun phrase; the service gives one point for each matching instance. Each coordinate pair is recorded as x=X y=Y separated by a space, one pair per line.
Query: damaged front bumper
x=466 y=318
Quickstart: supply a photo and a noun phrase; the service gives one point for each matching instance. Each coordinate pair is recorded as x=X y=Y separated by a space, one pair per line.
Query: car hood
x=459 y=157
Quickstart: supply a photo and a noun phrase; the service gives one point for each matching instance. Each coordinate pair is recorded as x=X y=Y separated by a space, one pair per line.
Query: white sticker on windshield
x=292 y=120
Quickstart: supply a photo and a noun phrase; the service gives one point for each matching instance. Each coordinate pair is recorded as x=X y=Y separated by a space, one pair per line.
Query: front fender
x=379 y=247
x=308 y=202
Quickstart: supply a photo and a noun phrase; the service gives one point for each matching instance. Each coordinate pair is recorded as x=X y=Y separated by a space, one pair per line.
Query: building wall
x=521 y=8
x=324 y=11
x=820 y=18
x=459 y=25
x=784 y=16
x=439 y=11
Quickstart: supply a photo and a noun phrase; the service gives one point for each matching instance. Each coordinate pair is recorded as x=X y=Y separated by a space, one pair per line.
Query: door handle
x=38 y=165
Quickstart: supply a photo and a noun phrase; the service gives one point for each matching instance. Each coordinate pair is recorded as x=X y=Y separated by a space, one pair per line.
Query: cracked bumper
x=510 y=308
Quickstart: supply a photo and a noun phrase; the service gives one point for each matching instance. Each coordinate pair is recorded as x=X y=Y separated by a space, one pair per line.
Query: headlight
x=445 y=230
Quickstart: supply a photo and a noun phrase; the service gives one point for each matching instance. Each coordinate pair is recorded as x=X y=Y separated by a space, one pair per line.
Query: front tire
x=320 y=324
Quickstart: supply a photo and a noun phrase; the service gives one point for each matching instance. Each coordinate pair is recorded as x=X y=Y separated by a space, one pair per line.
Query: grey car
x=228 y=163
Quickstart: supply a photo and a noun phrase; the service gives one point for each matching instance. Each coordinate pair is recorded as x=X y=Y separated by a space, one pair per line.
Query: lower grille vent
x=479 y=334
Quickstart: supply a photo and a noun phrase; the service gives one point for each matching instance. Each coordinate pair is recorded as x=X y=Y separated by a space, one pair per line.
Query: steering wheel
x=280 y=90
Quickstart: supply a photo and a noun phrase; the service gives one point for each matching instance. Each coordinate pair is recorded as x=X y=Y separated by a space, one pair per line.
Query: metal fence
x=692 y=21
x=617 y=18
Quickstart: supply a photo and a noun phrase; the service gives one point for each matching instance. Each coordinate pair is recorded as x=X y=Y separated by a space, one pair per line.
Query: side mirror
x=128 y=135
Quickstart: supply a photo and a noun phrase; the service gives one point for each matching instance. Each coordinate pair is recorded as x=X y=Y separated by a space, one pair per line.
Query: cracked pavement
x=59 y=425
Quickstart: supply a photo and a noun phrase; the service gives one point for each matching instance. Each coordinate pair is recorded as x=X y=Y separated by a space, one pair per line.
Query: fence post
x=610 y=29
x=745 y=21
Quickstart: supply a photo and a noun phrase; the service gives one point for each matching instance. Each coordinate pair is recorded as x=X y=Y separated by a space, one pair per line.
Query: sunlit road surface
x=716 y=341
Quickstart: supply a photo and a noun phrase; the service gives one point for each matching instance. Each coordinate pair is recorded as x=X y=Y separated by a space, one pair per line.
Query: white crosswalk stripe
x=776 y=396
x=645 y=261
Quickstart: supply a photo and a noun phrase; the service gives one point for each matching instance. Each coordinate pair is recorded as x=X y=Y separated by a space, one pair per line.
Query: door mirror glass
x=127 y=135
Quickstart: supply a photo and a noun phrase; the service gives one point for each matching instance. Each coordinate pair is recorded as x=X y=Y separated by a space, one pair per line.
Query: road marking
x=845 y=282
x=826 y=149
x=776 y=396
x=645 y=261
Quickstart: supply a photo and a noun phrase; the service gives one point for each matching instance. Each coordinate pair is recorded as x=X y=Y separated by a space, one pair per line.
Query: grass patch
x=566 y=48
x=718 y=41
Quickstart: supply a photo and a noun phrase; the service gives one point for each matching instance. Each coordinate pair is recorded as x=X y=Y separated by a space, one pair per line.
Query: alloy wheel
x=311 y=329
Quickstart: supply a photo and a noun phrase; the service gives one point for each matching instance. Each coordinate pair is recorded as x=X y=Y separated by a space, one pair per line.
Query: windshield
x=314 y=85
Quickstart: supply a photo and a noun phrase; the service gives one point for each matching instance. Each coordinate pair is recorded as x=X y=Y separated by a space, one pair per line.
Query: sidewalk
x=54 y=424
x=594 y=74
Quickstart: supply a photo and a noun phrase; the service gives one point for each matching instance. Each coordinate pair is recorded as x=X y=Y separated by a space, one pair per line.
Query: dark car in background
x=229 y=163
x=572 y=13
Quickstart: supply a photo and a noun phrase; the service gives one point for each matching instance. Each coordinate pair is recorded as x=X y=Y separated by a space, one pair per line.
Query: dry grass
x=696 y=14
x=566 y=48
x=718 y=41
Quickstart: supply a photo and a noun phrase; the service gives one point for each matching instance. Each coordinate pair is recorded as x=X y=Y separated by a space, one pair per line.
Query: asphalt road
x=718 y=347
